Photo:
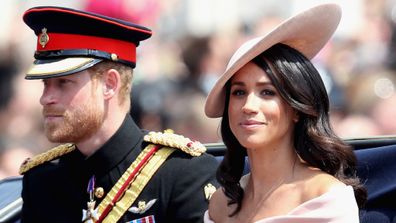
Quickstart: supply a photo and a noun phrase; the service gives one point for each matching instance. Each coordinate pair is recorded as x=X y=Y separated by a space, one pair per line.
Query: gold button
x=99 y=192
x=114 y=57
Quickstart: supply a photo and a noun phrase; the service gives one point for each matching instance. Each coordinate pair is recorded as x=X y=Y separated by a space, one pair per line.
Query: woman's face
x=258 y=115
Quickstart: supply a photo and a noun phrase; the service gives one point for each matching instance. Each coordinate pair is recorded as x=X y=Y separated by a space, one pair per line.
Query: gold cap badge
x=43 y=37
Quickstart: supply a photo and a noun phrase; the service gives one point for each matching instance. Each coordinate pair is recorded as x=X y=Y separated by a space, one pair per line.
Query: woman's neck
x=270 y=165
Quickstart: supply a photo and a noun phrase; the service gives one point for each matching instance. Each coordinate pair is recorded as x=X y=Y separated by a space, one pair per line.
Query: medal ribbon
x=91 y=188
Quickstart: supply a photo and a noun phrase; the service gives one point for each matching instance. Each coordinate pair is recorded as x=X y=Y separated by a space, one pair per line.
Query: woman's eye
x=238 y=92
x=268 y=92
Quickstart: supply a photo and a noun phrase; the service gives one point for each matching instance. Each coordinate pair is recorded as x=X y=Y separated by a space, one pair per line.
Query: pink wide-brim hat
x=306 y=32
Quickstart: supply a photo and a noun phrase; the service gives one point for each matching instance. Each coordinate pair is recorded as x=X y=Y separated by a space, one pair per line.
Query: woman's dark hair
x=300 y=85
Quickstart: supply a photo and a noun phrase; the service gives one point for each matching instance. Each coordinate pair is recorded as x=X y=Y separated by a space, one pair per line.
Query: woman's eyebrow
x=263 y=83
x=260 y=83
x=237 y=83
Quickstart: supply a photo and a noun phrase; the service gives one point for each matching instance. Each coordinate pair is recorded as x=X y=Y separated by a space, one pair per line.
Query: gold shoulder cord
x=46 y=157
x=169 y=139
x=136 y=186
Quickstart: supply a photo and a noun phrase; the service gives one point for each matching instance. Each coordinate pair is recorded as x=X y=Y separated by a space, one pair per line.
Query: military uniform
x=56 y=191
x=136 y=176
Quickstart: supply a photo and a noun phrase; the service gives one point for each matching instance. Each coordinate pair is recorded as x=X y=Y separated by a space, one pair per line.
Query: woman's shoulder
x=315 y=183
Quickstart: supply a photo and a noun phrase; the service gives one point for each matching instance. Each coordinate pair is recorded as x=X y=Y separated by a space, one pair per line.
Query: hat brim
x=42 y=69
x=306 y=32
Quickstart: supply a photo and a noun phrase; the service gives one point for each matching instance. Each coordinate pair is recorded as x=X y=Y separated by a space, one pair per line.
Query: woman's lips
x=252 y=124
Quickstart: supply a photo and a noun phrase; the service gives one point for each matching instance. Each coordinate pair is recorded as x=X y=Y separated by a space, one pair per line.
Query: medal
x=91 y=214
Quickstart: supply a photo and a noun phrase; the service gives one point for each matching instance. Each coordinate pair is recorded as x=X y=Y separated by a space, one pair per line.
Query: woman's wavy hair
x=300 y=85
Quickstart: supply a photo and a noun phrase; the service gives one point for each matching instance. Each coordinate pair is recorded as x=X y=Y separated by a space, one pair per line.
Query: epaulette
x=169 y=139
x=50 y=155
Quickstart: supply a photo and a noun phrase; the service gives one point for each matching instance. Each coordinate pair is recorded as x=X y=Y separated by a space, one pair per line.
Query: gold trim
x=45 y=157
x=209 y=190
x=138 y=184
x=169 y=139
x=109 y=197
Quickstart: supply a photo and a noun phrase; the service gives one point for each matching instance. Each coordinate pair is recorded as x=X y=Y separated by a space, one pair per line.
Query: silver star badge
x=90 y=215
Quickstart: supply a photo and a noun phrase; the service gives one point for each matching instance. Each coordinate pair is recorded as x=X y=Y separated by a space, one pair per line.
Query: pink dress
x=338 y=205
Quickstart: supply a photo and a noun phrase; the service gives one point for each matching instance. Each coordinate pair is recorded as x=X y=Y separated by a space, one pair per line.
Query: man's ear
x=111 y=83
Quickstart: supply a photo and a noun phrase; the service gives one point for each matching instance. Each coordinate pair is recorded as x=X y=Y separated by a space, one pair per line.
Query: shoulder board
x=50 y=155
x=169 y=139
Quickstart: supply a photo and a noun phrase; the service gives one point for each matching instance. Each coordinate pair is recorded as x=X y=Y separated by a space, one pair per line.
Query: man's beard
x=77 y=125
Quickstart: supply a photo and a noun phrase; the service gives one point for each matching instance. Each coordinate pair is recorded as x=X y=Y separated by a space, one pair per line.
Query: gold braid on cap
x=46 y=157
x=169 y=139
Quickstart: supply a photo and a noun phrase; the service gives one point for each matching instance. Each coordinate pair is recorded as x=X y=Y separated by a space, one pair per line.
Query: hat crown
x=68 y=20
x=66 y=34
x=306 y=32
x=245 y=47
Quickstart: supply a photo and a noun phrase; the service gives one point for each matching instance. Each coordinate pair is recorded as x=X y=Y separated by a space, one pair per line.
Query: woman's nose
x=251 y=104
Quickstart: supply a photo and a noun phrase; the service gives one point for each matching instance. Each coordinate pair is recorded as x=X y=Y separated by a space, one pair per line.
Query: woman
x=275 y=108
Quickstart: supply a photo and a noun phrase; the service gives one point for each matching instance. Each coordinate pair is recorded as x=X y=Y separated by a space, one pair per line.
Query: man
x=107 y=169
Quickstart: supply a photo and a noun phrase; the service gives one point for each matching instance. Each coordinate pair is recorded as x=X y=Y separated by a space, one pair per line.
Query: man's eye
x=64 y=81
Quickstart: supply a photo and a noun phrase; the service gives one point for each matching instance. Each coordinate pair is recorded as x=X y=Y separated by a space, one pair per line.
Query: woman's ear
x=111 y=83
x=296 y=116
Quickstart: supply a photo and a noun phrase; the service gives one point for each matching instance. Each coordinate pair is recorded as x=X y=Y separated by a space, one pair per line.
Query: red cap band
x=59 y=41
